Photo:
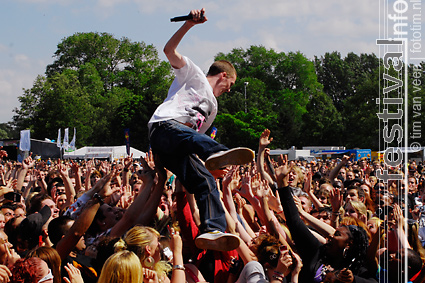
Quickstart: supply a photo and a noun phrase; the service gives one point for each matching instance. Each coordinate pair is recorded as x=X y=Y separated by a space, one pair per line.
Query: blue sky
x=31 y=30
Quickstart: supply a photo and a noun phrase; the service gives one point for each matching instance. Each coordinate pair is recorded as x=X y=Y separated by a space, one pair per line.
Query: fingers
x=5 y=274
x=286 y=258
x=198 y=15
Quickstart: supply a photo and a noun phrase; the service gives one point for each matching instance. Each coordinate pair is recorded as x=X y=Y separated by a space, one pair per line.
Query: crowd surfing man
x=177 y=135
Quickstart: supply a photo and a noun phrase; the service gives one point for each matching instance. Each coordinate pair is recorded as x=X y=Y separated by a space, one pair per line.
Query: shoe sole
x=224 y=243
x=235 y=156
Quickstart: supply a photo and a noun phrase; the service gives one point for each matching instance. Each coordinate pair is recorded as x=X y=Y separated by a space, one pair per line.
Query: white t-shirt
x=190 y=99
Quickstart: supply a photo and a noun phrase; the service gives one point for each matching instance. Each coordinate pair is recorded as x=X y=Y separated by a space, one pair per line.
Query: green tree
x=280 y=87
x=99 y=85
x=360 y=120
x=322 y=123
x=6 y=131
x=341 y=76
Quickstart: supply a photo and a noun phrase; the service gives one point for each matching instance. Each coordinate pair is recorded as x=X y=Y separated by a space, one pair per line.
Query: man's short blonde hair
x=222 y=66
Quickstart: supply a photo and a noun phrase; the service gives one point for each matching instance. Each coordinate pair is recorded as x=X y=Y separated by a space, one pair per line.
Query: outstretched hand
x=3 y=153
x=147 y=173
x=103 y=186
x=231 y=179
x=159 y=169
x=307 y=183
x=74 y=274
x=336 y=199
x=63 y=170
x=245 y=189
x=176 y=243
x=265 y=139
x=28 y=163
x=282 y=171
x=128 y=161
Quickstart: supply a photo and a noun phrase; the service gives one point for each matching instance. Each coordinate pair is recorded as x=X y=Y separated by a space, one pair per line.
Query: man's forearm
x=170 y=49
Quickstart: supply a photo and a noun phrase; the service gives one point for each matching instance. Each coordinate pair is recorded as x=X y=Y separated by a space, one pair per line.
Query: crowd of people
x=132 y=221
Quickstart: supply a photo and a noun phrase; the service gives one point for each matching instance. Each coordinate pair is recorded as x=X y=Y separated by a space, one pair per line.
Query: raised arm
x=83 y=222
x=334 y=173
x=324 y=229
x=170 y=49
x=128 y=161
x=139 y=204
x=308 y=188
x=69 y=188
x=264 y=142
x=178 y=275
x=155 y=196
x=305 y=241
x=77 y=175
x=27 y=164
x=230 y=181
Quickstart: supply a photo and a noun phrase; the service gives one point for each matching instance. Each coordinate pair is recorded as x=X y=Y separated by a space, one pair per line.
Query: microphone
x=185 y=18
x=182 y=18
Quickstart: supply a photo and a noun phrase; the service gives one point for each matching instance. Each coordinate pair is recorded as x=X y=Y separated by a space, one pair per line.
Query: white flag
x=58 y=142
x=25 y=141
x=72 y=143
x=65 y=140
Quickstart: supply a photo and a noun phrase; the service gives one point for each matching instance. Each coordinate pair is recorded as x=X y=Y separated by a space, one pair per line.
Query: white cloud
x=110 y=3
x=22 y=60
x=11 y=83
x=3 y=48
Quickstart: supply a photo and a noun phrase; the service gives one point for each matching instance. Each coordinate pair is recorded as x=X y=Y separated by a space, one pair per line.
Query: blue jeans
x=179 y=147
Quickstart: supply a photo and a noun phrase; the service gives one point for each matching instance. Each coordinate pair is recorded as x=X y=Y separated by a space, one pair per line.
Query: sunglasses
x=47 y=277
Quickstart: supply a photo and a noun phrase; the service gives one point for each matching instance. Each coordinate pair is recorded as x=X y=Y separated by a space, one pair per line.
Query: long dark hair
x=354 y=257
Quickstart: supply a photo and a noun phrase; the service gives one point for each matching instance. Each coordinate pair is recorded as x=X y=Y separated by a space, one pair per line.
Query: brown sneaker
x=234 y=156
x=217 y=241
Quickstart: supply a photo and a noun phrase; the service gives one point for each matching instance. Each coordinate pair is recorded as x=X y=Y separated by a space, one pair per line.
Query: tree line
x=102 y=85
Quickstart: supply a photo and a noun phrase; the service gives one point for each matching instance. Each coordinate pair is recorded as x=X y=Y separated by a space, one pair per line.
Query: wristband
x=98 y=198
x=279 y=274
x=125 y=170
x=178 y=267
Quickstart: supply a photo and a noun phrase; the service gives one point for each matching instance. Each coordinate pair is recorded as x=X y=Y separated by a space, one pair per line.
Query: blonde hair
x=122 y=267
x=376 y=220
x=300 y=175
x=359 y=207
x=136 y=240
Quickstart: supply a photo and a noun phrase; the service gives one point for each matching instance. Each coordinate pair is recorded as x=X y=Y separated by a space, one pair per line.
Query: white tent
x=104 y=152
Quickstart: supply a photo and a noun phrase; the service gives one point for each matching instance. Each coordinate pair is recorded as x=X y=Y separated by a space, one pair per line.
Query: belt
x=187 y=124
x=154 y=125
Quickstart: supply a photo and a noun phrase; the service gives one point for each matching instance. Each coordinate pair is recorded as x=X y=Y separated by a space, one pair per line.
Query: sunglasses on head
x=47 y=277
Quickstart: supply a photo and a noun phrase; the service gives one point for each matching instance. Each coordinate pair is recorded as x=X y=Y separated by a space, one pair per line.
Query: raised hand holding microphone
x=194 y=15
